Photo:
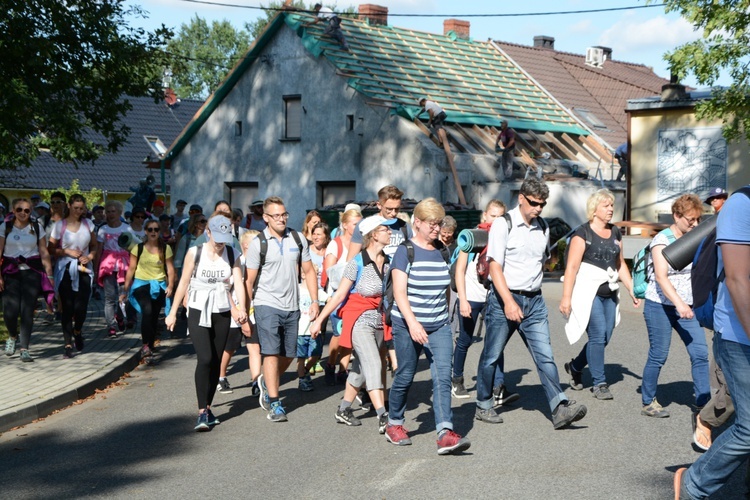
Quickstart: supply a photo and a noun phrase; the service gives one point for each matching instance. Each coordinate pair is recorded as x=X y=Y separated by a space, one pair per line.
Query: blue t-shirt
x=732 y=226
x=426 y=287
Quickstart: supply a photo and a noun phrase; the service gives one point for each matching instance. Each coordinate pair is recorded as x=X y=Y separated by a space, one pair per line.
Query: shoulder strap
x=339 y=247
x=506 y=216
x=64 y=228
x=36 y=230
x=297 y=240
x=140 y=251
x=230 y=255
x=198 y=250
x=263 y=251
x=405 y=230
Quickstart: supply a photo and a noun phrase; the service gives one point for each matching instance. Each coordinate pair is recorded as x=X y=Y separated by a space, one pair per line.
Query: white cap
x=367 y=225
x=352 y=206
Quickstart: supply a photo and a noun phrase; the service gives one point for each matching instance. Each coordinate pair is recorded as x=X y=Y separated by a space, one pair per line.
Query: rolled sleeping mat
x=472 y=240
x=680 y=253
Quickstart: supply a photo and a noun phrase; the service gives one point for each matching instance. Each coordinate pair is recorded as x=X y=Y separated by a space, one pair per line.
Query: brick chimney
x=544 y=42
x=459 y=27
x=375 y=15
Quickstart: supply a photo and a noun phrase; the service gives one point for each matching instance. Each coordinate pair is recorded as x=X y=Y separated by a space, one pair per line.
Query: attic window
x=590 y=118
x=156 y=145
x=292 y=117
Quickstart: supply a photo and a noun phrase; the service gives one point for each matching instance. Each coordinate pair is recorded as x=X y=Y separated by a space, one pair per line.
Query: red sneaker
x=450 y=442
x=397 y=435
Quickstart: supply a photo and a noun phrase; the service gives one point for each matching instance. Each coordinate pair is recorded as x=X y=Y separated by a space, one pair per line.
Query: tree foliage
x=202 y=55
x=66 y=67
x=255 y=28
x=94 y=196
x=723 y=47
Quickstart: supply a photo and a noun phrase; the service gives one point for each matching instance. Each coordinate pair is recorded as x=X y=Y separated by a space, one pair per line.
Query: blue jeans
x=438 y=349
x=600 y=328
x=534 y=330
x=660 y=319
x=732 y=447
x=466 y=327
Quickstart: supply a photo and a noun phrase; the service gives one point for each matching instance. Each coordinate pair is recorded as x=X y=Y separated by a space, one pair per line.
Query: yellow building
x=672 y=153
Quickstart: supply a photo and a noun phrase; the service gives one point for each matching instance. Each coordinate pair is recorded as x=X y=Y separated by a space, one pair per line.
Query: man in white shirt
x=334 y=24
x=516 y=252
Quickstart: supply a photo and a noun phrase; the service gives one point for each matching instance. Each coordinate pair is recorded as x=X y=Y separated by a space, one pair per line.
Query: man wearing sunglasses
x=517 y=250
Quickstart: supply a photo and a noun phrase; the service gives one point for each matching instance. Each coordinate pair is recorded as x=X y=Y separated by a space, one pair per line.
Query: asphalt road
x=137 y=440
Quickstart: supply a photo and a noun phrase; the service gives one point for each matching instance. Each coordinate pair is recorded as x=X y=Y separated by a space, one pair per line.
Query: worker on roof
x=334 y=24
x=506 y=144
x=437 y=118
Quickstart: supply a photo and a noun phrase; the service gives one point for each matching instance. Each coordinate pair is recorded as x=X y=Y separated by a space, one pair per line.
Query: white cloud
x=584 y=27
x=658 y=33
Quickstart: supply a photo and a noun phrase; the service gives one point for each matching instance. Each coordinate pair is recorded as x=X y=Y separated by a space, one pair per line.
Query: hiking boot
x=450 y=442
x=396 y=434
x=458 y=390
x=330 y=375
x=503 y=396
x=25 y=356
x=277 y=412
x=305 y=384
x=212 y=420
x=223 y=386
x=602 y=392
x=566 y=413
x=68 y=354
x=382 y=422
x=346 y=416
x=78 y=340
x=263 y=395
x=202 y=424
x=10 y=346
x=112 y=334
x=575 y=376
x=490 y=415
x=654 y=410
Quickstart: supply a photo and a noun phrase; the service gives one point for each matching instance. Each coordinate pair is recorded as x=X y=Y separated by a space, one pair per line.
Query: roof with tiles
x=471 y=80
x=115 y=172
x=601 y=92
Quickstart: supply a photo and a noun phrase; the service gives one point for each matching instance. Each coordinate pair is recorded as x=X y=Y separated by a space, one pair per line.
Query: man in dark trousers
x=506 y=144
x=334 y=24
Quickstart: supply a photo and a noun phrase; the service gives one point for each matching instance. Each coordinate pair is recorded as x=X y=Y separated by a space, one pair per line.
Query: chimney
x=607 y=51
x=462 y=29
x=674 y=90
x=375 y=15
x=544 y=42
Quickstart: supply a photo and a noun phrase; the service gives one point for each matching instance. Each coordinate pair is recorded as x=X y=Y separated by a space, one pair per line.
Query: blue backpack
x=704 y=279
x=642 y=265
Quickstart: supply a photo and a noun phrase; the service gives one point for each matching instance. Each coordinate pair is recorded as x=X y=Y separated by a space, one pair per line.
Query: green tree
x=255 y=28
x=723 y=47
x=66 y=67
x=202 y=55
x=94 y=196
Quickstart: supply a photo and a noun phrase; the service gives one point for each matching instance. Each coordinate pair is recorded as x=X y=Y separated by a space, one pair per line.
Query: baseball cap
x=419 y=101
x=138 y=210
x=43 y=204
x=181 y=202
x=36 y=197
x=257 y=203
x=196 y=208
x=367 y=225
x=159 y=203
x=97 y=207
x=221 y=229
x=352 y=206
x=716 y=193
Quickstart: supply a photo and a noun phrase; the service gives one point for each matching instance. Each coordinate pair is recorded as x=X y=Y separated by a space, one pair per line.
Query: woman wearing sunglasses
x=73 y=244
x=26 y=271
x=149 y=283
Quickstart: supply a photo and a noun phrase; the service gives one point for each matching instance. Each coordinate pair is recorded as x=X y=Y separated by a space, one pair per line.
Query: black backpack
x=386 y=303
x=703 y=278
x=264 y=251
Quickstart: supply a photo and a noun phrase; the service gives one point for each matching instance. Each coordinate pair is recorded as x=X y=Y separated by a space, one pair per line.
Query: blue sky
x=639 y=36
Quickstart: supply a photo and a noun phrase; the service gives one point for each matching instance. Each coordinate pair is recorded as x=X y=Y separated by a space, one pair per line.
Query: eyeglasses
x=56 y=202
x=693 y=221
x=23 y=210
x=434 y=224
x=284 y=216
x=535 y=203
x=202 y=221
x=139 y=216
x=152 y=229
x=391 y=210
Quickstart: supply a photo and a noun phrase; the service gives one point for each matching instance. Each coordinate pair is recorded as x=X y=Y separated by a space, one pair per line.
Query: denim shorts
x=308 y=347
x=277 y=331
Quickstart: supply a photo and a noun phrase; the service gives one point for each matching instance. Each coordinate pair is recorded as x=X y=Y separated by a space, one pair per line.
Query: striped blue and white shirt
x=427 y=283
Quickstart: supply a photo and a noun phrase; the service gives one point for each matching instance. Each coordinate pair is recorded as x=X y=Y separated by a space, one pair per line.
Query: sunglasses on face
x=56 y=202
x=202 y=221
x=536 y=203
x=139 y=216
x=23 y=210
x=152 y=229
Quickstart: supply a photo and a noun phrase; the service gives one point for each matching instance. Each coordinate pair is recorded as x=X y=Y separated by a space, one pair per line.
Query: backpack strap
x=506 y=216
x=263 y=251
x=298 y=240
x=404 y=230
x=64 y=228
x=230 y=255
x=198 y=251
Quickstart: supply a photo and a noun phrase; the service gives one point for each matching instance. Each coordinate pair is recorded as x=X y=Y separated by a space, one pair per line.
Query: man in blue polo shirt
x=732 y=352
x=276 y=298
x=517 y=255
